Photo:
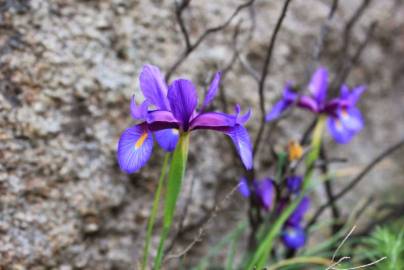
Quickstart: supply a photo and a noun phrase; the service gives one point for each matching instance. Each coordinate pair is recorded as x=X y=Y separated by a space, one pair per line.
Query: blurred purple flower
x=294 y=183
x=264 y=190
x=293 y=236
x=345 y=119
x=173 y=112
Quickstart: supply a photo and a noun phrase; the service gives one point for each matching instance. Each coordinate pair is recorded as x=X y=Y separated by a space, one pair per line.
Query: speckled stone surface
x=67 y=71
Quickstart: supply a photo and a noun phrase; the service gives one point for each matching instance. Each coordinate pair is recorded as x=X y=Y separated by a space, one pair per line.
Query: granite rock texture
x=67 y=71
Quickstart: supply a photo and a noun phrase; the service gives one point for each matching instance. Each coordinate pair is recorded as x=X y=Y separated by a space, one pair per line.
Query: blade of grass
x=175 y=176
x=156 y=202
x=235 y=233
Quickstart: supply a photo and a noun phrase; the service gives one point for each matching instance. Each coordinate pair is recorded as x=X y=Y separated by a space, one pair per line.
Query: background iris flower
x=169 y=111
x=293 y=235
x=264 y=190
x=344 y=118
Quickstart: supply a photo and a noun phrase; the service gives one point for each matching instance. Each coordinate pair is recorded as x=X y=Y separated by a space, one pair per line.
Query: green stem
x=175 y=176
x=156 y=202
x=260 y=257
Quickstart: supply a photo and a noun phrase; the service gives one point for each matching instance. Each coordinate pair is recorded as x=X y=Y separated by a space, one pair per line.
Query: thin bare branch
x=190 y=47
x=264 y=74
x=357 y=179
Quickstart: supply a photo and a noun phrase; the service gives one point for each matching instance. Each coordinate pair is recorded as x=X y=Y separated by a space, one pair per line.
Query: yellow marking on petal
x=141 y=140
x=175 y=131
x=295 y=150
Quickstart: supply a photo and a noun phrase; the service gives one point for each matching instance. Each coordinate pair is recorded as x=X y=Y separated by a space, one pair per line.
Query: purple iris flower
x=345 y=119
x=264 y=190
x=294 y=183
x=168 y=111
x=293 y=236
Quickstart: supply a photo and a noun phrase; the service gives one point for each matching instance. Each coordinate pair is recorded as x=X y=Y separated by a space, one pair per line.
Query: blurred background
x=68 y=69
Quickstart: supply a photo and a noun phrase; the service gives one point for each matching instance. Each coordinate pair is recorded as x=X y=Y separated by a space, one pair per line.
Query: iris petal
x=294 y=183
x=338 y=131
x=213 y=120
x=318 y=85
x=356 y=94
x=297 y=215
x=243 y=118
x=243 y=188
x=214 y=86
x=167 y=138
x=293 y=237
x=266 y=192
x=309 y=103
x=351 y=119
x=153 y=86
x=242 y=142
x=138 y=112
x=287 y=100
x=183 y=100
x=134 y=148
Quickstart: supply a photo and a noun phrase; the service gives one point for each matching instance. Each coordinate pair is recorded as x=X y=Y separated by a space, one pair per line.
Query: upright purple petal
x=167 y=138
x=294 y=183
x=318 y=85
x=138 y=112
x=214 y=86
x=287 y=100
x=212 y=120
x=242 y=142
x=153 y=87
x=293 y=237
x=183 y=100
x=355 y=95
x=243 y=188
x=265 y=192
x=338 y=131
x=134 y=148
x=297 y=216
x=243 y=118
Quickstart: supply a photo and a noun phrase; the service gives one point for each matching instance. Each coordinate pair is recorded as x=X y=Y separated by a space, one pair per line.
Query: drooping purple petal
x=287 y=100
x=167 y=138
x=265 y=192
x=183 y=100
x=212 y=120
x=293 y=237
x=242 y=142
x=318 y=85
x=153 y=87
x=338 y=131
x=297 y=215
x=243 y=188
x=134 y=148
x=214 y=86
x=351 y=119
x=294 y=183
x=138 y=112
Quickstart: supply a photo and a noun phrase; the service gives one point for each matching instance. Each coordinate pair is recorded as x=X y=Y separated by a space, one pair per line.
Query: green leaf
x=175 y=176
x=156 y=202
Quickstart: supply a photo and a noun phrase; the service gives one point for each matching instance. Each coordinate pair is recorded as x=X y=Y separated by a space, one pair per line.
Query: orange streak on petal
x=141 y=140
